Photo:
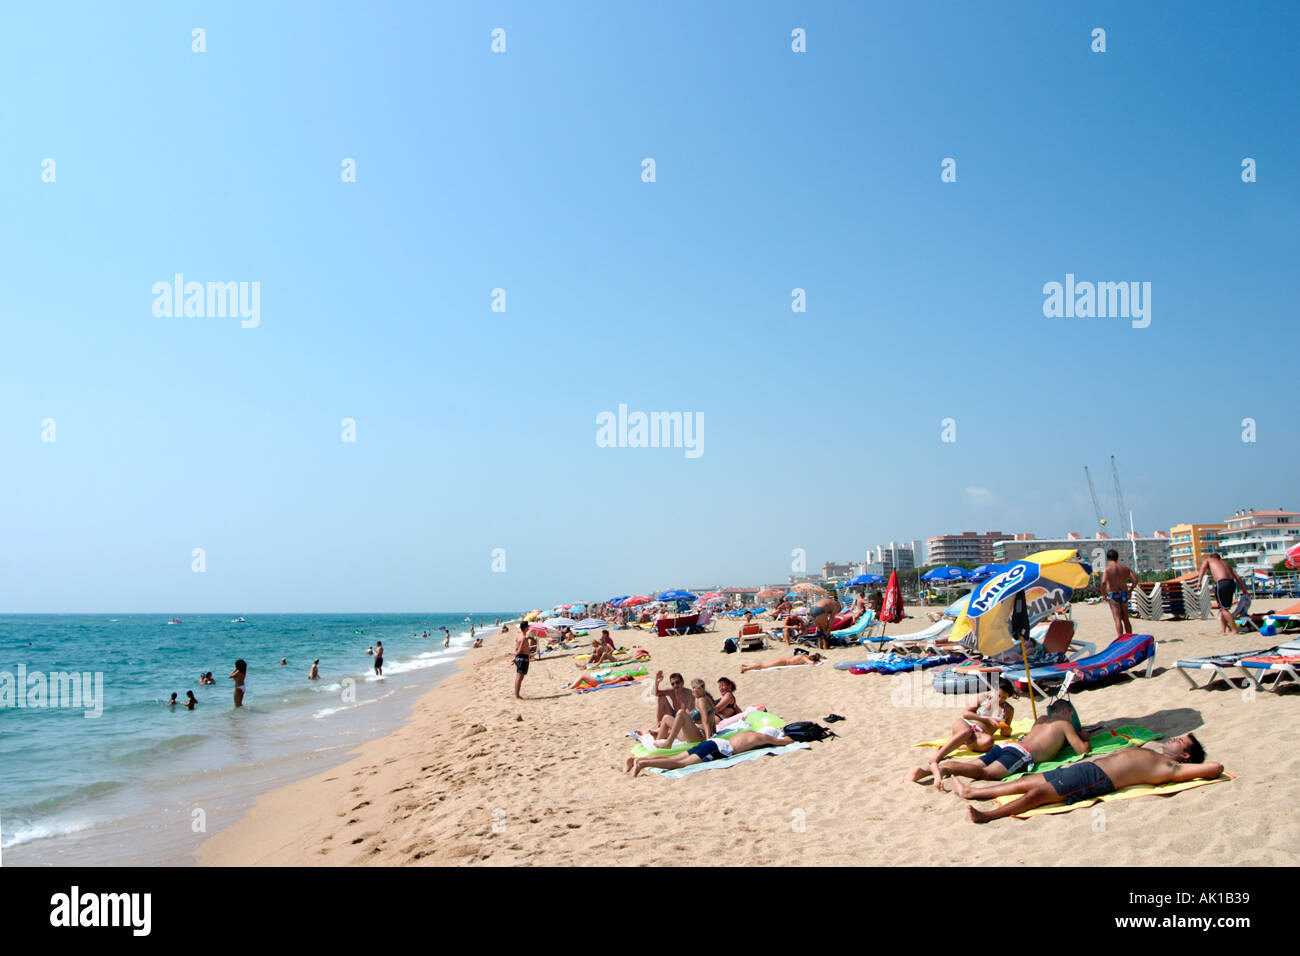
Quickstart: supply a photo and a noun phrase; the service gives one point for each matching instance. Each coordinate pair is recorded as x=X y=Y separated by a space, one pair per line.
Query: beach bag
x=806 y=731
x=729 y=646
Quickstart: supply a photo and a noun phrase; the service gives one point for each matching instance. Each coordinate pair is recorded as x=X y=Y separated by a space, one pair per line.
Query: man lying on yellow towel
x=1180 y=759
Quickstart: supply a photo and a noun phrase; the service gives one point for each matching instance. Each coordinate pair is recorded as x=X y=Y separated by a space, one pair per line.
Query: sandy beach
x=475 y=777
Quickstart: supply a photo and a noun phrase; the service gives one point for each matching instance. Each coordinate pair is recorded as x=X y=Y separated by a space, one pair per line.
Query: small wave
x=17 y=834
x=166 y=745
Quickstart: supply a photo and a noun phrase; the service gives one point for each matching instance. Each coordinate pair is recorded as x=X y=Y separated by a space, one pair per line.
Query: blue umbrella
x=614 y=602
x=986 y=571
x=867 y=579
x=947 y=573
x=677 y=596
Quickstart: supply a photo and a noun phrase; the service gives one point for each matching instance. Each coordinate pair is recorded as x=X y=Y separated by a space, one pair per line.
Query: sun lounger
x=1258 y=668
x=918 y=639
x=1120 y=656
x=1215 y=665
x=751 y=637
x=864 y=624
x=686 y=624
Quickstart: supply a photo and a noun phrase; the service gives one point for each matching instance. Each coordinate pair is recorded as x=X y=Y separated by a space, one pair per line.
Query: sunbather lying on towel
x=1180 y=759
x=974 y=730
x=796 y=661
x=1050 y=733
x=714 y=748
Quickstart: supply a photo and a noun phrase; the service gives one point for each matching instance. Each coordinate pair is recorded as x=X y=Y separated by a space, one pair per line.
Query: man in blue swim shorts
x=715 y=748
x=1115 y=582
x=1179 y=759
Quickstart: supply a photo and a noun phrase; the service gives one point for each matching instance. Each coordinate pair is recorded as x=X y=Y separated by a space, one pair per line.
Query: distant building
x=1152 y=553
x=1189 y=544
x=968 y=547
x=1258 y=539
x=832 y=571
x=891 y=557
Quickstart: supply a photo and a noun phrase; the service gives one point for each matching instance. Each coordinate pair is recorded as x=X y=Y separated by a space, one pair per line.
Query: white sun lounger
x=1257 y=671
x=1216 y=666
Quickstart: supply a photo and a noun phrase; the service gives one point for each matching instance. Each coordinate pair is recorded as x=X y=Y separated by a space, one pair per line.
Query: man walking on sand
x=1115 y=583
x=522 y=652
x=1226 y=580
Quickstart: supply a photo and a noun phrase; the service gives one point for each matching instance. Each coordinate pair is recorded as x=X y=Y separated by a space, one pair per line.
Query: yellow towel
x=1128 y=793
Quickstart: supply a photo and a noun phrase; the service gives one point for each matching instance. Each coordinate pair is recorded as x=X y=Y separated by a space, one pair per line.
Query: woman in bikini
x=238 y=675
x=797 y=661
x=727 y=706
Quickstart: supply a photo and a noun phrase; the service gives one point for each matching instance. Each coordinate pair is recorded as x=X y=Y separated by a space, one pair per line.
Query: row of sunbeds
x=1242 y=669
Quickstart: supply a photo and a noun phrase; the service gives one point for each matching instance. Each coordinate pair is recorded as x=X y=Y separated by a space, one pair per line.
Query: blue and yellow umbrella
x=1001 y=608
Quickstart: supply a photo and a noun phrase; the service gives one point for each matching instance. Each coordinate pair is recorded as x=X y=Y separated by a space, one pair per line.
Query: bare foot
x=627 y=764
x=938 y=776
x=963 y=790
x=916 y=774
x=979 y=816
x=636 y=772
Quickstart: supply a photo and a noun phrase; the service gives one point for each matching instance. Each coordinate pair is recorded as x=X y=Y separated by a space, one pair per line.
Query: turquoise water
x=71 y=776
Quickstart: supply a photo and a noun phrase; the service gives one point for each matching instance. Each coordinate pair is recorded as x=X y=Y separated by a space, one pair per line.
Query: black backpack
x=806 y=730
x=729 y=646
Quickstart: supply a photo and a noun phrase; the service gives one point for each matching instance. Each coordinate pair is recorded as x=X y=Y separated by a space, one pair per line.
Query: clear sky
x=522 y=170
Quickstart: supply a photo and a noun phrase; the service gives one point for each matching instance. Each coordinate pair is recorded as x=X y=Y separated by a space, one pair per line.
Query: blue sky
x=775 y=170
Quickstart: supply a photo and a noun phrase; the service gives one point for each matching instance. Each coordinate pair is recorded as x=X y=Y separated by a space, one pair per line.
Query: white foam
x=26 y=833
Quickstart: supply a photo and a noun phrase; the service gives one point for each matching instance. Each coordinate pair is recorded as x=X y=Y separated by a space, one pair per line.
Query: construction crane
x=1101 y=522
x=1119 y=500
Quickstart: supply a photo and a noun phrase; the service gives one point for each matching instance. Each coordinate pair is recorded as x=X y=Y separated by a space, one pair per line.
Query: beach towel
x=588 y=690
x=897 y=663
x=1128 y=793
x=728 y=762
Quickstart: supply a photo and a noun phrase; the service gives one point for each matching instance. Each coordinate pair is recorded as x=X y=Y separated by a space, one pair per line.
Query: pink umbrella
x=1293 y=556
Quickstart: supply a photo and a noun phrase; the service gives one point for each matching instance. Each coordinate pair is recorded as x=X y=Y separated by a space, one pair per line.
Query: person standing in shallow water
x=379 y=658
x=238 y=675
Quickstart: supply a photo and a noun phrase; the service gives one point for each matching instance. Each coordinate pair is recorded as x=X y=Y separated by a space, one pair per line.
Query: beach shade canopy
x=986 y=571
x=946 y=573
x=530 y=615
x=867 y=579
x=678 y=595
x=1046 y=579
x=710 y=595
x=1293 y=556
x=634 y=600
x=614 y=602
x=808 y=589
x=768 y=593
x=791 y=594
x=957 y=607
x=556 y=623
x=892 y=610
x=590 y=624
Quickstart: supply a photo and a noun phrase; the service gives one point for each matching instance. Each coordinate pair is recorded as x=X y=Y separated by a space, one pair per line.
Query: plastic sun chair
x=864 y=625
x=751 y=637
x=1256 y=669
x=1119 y=657
x=905 y=643
x=1215 y=665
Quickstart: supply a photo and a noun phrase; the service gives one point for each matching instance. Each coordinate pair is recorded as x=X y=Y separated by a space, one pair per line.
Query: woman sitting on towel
x=796 y=661
x=600 y=654
x=727 y=706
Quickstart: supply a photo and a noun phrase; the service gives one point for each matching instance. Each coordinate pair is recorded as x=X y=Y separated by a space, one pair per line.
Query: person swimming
x=190 y=700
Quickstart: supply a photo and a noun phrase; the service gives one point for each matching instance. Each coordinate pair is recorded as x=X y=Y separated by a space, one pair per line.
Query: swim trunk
x=708 y=750
x=1224 y=590
x=1079 y=781
x=1119 y=597
x=521 y=663
x=1013 y=756
x=379 y=662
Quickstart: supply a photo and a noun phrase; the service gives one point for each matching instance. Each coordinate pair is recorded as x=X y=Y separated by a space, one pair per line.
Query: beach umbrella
x=677 y=595
x=768 y=593
x=809 y=589
x=634 y=600
x=867 y=579
x=555 y=623
x=947 y=573
x=590 y=624
x=892 y=610
x=614 y=602
x=1001 y=608
x=986 y=571
x=1293 y=556
x=530 y=615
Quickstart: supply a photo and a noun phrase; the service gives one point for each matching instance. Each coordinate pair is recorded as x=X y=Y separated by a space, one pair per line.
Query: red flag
x=892 y=611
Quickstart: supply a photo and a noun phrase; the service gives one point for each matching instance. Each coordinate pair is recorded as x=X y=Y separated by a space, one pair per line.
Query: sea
x=98 y=768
